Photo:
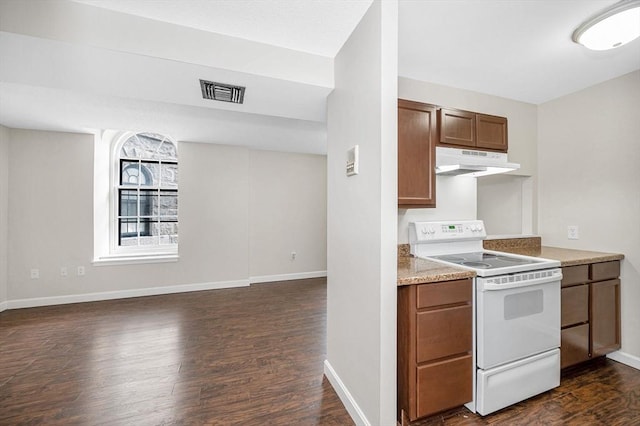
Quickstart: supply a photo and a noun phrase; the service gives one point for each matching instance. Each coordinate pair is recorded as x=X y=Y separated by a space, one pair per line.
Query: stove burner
x=512 y=259
x=479 y=265
x=453 y=259
x=486 y=261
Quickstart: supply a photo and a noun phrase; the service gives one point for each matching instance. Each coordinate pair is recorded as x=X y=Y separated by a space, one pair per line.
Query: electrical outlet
x=35 y=274
x=80 y=270
x=293 y=255
x=63 y=271
x=572 y=232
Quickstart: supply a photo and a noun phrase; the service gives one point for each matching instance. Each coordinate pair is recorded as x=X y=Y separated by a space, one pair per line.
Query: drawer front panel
x=445 y=293
x=444 y=332
x=605 y=270
x=574 y=345
x=572 y=275
x=444 y=385
x=575 y=305
x=507 y=384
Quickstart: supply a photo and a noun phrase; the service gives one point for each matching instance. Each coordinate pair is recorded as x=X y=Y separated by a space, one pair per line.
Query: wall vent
x=222 y=92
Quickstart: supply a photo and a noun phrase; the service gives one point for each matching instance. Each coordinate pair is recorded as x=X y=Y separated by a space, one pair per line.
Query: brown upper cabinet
x=416 y=154
x=472 y=130
x=457 y=127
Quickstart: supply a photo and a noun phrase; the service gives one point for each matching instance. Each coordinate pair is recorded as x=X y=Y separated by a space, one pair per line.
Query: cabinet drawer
x=575 y=275
x=443 y=332
x=574 y=345
x=445 y=293
x=444 y=385
x=575 y=305
x=605 y=270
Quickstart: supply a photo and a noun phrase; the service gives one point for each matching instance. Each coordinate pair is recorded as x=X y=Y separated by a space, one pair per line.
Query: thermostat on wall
x=352 y=161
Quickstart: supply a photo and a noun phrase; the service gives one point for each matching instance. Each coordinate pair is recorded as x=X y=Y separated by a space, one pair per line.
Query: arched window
x=145 y=193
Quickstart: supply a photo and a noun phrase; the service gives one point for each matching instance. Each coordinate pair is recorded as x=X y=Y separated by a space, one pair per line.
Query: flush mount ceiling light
x=611 y=28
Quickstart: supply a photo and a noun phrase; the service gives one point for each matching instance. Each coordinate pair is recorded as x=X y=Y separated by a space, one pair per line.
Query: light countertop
x=413 y=270
x=567 y=257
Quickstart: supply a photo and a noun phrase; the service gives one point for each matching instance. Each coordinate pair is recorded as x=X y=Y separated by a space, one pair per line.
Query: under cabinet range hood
x=468 y=162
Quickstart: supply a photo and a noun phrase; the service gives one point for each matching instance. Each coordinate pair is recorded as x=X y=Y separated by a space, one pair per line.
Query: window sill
x=133 y=259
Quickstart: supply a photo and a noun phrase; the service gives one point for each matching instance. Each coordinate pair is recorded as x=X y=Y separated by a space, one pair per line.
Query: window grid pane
x=128 y=202
x=147 y=192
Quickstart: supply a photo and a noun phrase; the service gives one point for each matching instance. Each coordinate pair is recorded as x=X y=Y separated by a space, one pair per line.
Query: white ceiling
x=517 y=49
x=94 y=72
x=315 y=26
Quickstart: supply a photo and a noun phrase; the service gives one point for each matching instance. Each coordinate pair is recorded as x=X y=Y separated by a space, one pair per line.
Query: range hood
x=468 y=162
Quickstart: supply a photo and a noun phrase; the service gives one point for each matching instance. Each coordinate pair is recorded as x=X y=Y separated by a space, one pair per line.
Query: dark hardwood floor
x=247 y=356
x=600 y=392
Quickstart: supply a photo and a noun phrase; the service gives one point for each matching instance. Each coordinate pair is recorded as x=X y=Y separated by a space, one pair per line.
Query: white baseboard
x=287 y=277
x=625 y=358
x=345 y=396
x=152 y=291
x=122 y=294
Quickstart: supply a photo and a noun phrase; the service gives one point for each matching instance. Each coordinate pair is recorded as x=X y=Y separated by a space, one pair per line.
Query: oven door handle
x=489 y=285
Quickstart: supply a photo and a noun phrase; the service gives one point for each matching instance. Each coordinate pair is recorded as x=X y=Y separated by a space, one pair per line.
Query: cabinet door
x=574 y=345
x=416 y=154
x=457 y=127
x=605 y=317
x=491 y=132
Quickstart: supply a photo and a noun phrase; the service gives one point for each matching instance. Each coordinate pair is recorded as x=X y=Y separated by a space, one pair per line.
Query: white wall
x=50 y=205
x=458 y=197
x=4 y=210
x=287 y=213
x=50 y=215
x=455 y=200
x=499 y=196
x=361 y=223
x=589 y=176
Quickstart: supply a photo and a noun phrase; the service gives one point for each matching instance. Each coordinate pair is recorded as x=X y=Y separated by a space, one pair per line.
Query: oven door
x=517 y=322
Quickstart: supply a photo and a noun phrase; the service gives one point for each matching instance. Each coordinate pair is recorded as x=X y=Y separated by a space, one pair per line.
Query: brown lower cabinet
x=590 y=316
x=435 y=369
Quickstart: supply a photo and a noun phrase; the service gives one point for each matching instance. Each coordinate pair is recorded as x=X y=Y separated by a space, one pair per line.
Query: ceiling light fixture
x=611 y=28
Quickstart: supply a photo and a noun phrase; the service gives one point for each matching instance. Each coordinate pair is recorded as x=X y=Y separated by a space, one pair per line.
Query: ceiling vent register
x=222 y=92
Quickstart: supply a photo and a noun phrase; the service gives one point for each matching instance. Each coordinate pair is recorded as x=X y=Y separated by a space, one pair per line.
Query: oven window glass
x=523 y=304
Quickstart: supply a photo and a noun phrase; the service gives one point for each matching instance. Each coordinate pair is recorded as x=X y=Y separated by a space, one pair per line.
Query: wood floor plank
x=249 y=356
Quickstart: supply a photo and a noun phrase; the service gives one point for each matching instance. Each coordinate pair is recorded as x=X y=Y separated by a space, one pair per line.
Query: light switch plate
x=352 y=161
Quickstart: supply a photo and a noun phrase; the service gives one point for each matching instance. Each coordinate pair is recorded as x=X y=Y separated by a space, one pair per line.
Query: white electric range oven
x=516 y=312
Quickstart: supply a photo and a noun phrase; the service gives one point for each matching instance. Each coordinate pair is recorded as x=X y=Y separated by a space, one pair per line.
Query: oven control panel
x=446 y=231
